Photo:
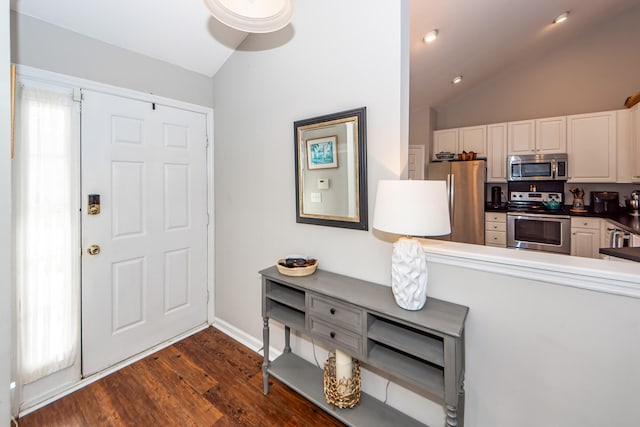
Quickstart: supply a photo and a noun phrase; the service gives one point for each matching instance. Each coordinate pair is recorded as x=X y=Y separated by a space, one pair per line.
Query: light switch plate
x=316 y=197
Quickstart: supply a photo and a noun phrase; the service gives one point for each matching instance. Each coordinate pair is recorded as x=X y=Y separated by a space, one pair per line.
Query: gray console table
x=422 y=350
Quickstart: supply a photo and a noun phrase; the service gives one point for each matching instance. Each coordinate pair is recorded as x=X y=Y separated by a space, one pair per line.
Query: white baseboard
x=243 y=338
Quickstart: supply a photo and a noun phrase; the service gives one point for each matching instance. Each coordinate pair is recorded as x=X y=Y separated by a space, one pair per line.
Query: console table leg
x=452 y=416
x=287 y=339
x=461 y=405
x=265 y=352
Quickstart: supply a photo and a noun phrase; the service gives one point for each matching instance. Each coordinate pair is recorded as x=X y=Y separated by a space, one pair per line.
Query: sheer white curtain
x=46 y=233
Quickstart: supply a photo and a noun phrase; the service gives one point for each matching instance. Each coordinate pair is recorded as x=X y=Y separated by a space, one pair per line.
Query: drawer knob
x=333 y=334
x=332 y=311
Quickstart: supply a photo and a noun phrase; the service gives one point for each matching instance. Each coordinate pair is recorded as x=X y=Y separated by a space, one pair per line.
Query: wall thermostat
x=323 y=183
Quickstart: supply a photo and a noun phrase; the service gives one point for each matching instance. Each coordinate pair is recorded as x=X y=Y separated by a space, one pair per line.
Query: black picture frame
x=357 y=116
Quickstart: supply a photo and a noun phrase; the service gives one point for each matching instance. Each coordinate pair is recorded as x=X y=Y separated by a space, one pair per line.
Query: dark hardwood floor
x=207 y=379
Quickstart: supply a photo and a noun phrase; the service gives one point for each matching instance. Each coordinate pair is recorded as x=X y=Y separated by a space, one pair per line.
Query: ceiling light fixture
x=456 y=80
x=430 y=36
x=561 y=18
x=252 y=16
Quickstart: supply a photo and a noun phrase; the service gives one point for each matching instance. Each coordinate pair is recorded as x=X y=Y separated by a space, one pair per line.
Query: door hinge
x=207 y=139
x=207 y=295
x=207 y=218
x=78 y=96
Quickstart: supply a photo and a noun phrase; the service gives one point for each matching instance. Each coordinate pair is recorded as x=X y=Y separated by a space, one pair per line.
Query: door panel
x=149 y=281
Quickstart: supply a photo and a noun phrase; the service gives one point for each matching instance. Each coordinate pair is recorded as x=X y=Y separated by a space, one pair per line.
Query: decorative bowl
x=297 y=271
x=444 y=155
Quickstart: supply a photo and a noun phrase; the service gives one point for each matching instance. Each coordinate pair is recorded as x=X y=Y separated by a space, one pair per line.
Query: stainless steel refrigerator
x=465 y=187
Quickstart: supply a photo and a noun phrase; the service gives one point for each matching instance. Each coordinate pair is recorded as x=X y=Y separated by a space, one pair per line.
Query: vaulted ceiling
x=476 y=38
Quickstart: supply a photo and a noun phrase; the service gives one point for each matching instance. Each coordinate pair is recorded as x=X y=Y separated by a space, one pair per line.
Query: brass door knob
x=93 y=250
x=93 y=210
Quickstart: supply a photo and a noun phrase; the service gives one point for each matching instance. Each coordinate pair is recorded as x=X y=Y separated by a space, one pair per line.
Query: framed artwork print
x=322 y=153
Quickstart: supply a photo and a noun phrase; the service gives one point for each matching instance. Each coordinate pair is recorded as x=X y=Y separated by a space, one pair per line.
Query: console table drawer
x=337 y=336
x=336 y=312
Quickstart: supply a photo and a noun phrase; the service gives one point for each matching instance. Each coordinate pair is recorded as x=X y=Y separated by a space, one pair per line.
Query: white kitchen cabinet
x=497 y=152
x=551 y=135
x=495 y=229
x=585 y=237
x=635 y=144
x=625 y=147
x=521 y=137
x=591 y=145
x=541 y=136
x=473 y=138
x=445 y=140
x=457 y=140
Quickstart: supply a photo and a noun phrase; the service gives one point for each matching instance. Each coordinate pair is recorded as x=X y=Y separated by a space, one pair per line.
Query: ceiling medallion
x=252 y=16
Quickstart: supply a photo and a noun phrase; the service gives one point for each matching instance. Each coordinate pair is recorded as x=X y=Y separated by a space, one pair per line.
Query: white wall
x=42 y=45
x=330 y=62
x=541 y=354
x=5 y=218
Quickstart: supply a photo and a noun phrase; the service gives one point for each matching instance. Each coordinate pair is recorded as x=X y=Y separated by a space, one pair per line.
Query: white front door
x=148 y=283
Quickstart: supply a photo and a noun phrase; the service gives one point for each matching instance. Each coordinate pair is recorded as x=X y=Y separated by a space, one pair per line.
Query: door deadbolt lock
x=94 y=204
x=93 y=250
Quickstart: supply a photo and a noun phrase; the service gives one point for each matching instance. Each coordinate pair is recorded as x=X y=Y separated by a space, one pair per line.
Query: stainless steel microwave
x=538 y=167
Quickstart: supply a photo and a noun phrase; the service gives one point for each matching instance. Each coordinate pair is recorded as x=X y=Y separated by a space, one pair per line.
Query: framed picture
x=322 y=153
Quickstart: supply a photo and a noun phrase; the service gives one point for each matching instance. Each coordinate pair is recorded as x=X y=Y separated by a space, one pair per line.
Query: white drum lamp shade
x=252 y=16
x=411 y=208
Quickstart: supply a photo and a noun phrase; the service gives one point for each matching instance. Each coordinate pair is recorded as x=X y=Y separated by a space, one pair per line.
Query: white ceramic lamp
x=411 y=208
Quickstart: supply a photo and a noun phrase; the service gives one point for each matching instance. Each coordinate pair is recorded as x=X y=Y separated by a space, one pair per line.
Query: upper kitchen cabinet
x=591 y=145
x=625 y=146
x=445 y=140
x=457 y=140
x=635 y=163
x=497 y=152
x=522 y=137
x=473 y=138
x=541 y=136
x=551 y=135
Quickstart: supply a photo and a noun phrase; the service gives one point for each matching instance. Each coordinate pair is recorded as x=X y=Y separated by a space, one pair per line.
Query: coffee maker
x=496 y=196
x=605 y=202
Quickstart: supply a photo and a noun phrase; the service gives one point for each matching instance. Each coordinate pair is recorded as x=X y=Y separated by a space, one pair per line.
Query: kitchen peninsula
x=568 y=321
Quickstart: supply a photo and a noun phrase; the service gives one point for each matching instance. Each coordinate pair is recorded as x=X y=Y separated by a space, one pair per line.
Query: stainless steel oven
x=551 y=233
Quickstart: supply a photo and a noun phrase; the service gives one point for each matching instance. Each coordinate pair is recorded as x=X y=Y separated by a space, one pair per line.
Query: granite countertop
x=625 y=221
x=632 y=254
x=488 y=207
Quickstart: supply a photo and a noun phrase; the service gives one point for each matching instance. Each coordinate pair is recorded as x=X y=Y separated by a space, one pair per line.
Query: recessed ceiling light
x=456 y=80
x=561 y=18
x=430 y=36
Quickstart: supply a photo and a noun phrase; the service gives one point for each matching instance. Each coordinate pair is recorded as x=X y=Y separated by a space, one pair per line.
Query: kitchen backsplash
x=623 y=189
